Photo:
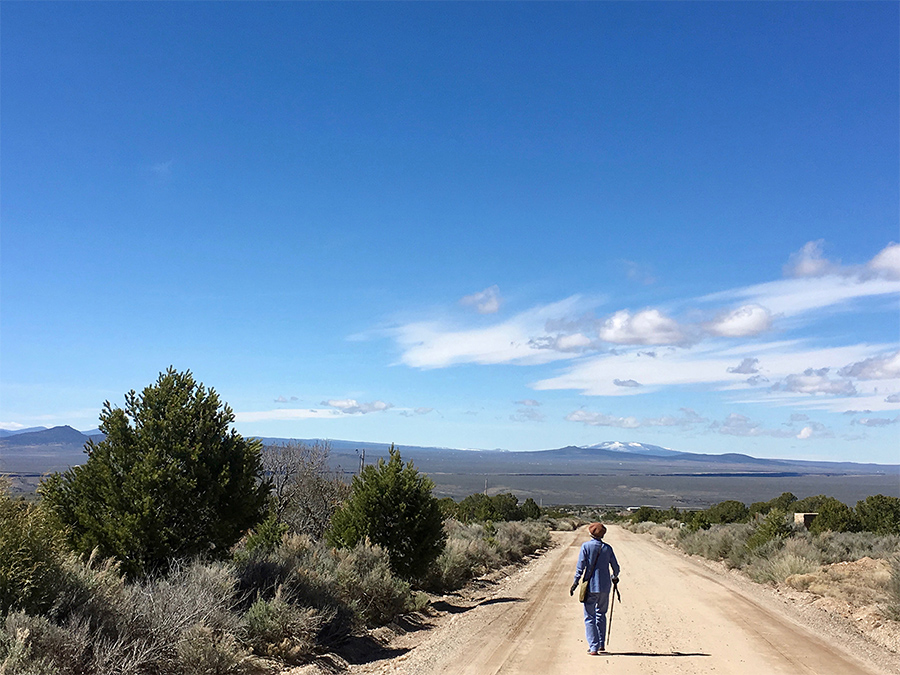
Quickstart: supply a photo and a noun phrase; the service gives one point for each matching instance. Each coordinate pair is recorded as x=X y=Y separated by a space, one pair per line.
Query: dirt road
x=676 y=616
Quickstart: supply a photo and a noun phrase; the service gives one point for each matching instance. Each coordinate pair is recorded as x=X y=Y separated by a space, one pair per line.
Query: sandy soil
x=678 y=615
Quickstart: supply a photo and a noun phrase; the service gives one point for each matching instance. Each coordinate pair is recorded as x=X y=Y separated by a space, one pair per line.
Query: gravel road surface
x=677 y=616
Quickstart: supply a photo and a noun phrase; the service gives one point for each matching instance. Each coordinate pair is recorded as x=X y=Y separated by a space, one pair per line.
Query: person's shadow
x=656 y=654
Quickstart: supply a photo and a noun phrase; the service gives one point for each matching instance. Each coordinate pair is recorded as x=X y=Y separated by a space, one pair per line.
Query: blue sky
x=474 y=225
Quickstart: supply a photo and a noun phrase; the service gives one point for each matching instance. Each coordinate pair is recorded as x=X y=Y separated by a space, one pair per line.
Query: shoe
x=602 y=649
x=590 y=653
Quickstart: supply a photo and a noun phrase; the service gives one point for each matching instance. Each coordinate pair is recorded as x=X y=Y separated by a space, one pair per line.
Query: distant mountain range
x=65 y=446
x=611 y=472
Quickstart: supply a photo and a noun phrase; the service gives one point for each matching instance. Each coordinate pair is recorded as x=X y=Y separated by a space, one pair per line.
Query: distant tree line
x=480 y=507
x=879 y=514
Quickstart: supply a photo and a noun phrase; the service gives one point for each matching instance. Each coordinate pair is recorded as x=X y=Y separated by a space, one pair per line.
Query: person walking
x=596 y=559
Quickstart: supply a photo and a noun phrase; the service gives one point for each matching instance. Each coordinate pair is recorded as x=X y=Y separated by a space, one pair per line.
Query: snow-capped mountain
x=634 y=448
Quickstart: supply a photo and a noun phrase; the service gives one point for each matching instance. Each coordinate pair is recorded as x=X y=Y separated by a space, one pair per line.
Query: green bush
x=834 y=516
x=391 y=504
x=282 y=630
x=729 y=511
x=366 y=583
x=774 y=527
x=473 y=549
x=879 y=514
x=170 y=480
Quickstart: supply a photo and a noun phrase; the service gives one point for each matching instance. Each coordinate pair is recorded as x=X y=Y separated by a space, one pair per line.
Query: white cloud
x=351 y=406
x=601 y=420
x=648 y=327
x=887 y=262
x=530 y=402
x=626 y=383
x=809 y=261
x=746 y=367
x=876 y=421
x=893 y=398
x=885 y=367
x=423 y=411
x=813 y=381
x=486 y=301
x=745 y=321
x=527 y=415
x=708 y=365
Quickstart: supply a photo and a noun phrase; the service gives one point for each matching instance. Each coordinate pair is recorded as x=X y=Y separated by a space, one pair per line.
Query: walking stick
x=612 y=606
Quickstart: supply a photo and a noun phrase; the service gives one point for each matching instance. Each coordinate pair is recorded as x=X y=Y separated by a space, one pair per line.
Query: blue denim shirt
x=599 y=554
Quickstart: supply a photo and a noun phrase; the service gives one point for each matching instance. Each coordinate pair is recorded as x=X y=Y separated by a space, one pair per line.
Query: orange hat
x=597 y=530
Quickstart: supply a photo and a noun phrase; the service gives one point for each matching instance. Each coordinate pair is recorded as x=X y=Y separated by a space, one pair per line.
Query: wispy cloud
x=283 y=414
x=486 y=301
x=603 y=420
x=528 y=414
x=687 y=417
x=435 y=345
x=332 y=409
x=350 y=406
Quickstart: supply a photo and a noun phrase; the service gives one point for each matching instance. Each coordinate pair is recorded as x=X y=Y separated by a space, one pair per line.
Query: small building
x=804 y=519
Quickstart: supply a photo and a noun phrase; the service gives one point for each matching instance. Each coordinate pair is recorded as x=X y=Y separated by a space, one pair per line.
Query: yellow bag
x=583 y=589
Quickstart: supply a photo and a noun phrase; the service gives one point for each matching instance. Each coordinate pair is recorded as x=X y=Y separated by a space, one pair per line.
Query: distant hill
x=15 y=432
x=55 y=436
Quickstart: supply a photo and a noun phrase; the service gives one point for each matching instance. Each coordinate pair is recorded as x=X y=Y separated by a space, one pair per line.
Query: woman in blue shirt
x=597 y=558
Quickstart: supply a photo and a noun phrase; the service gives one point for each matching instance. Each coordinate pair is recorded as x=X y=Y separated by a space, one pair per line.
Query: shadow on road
x=360 y=650
x=656 y=654
x=444 y=606
x=494 y=601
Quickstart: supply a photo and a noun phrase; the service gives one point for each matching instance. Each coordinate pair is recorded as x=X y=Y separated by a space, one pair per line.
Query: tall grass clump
x=32 y=555
x=779 y=566
x=892 y=609
x=727 y=543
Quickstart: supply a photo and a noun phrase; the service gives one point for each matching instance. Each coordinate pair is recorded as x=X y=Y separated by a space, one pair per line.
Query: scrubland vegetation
x=180 y=547
x=851 y=554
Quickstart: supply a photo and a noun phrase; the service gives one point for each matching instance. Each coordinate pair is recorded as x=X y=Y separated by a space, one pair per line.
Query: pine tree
x=391 y=504
x=170 y=480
